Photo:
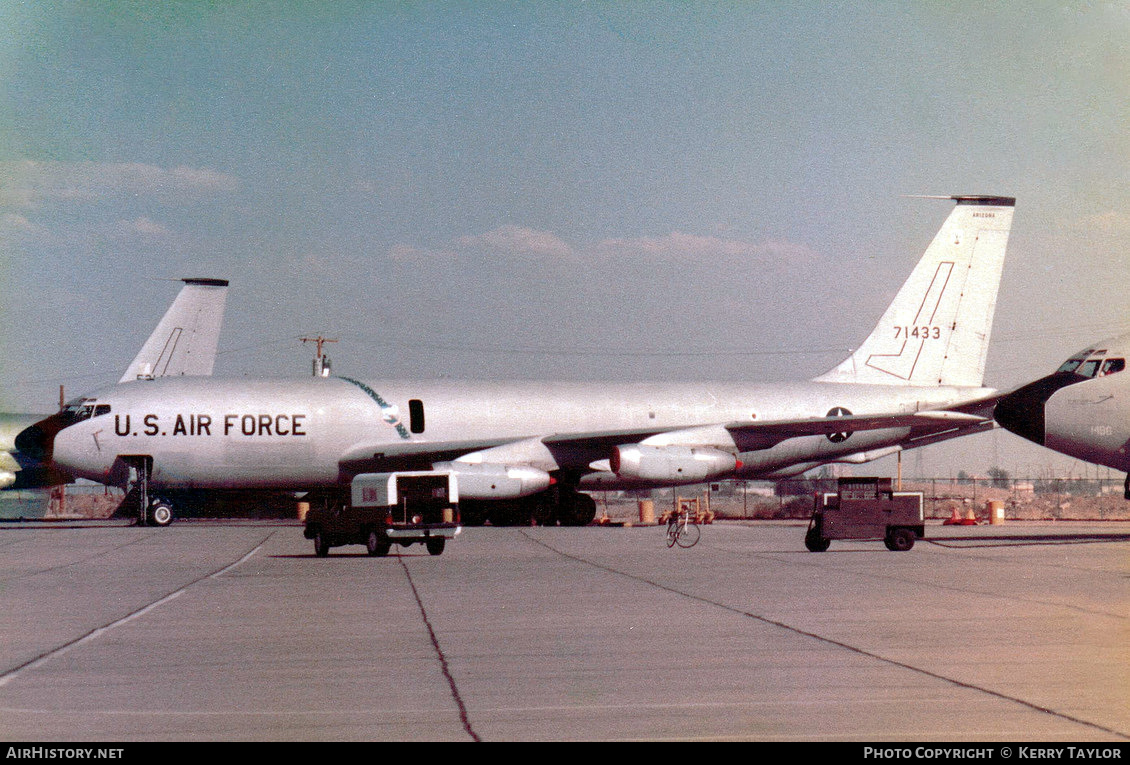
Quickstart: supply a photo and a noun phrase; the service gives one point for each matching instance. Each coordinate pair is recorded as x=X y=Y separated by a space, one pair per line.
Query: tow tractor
x=866 y=508
x=404 y=508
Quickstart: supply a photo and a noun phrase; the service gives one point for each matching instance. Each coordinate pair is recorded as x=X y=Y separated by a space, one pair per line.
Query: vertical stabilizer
x=936 y=332
x=184 y=343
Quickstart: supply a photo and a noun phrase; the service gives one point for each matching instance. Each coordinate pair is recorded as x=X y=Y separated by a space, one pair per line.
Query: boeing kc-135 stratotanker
x=527 y=451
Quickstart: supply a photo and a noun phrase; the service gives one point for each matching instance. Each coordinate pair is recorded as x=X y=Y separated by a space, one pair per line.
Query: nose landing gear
x=151 y=511
x=160 y=512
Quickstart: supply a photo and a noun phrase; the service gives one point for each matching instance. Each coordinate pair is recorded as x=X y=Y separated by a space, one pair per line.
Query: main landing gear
x=559 y=505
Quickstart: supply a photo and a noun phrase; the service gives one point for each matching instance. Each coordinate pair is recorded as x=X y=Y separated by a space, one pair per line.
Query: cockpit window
x=1093 y=364
x=1110 y=366
x=84 y=410
x=75 y=412
x=1089 y=368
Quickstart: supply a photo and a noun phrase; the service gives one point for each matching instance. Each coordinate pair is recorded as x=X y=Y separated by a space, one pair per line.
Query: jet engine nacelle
x=671 y=463
x=494 y=481
x=7 y=478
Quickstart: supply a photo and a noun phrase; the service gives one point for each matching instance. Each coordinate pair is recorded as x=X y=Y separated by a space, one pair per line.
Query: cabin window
x=416 y=415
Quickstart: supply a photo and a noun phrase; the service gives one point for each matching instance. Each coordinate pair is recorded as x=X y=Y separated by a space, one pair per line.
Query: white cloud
x=13 y=222
x=16 y=228
x=517 y=240
x=678 y=245
x=407 y=252
x=1111 y=221
x=27 y=183
x=504 y=240
x=528 y=242
x=142 y=225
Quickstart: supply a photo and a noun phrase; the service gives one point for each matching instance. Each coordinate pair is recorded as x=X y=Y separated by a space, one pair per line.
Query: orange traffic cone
x=970 y=518
x=954 y=520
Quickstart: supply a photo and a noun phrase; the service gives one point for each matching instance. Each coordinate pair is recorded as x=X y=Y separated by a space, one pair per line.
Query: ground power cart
x=403 y=508
x=866 y=508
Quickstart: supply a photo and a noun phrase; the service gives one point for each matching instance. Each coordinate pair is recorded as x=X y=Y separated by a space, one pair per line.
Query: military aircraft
x=528 y=451
x=183 y=343
x=1082 y=409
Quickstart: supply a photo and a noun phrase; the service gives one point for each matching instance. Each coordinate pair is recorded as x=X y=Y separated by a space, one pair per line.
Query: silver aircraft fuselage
x=531 y=449
x=300 y=434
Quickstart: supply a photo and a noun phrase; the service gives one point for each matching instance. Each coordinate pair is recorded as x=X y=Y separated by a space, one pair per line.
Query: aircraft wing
x=982 y=407
x=765 y=435
x=552 y=452
x=409 y=455
x=579 y=450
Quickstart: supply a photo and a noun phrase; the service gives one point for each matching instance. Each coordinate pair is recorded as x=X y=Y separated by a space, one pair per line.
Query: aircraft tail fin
x=184 y=342
x=936 y=332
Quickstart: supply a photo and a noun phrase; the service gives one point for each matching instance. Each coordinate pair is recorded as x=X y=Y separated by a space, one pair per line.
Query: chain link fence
x=792 y=499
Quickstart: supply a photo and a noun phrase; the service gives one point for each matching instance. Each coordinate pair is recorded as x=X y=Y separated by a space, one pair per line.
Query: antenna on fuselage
x=321 y=366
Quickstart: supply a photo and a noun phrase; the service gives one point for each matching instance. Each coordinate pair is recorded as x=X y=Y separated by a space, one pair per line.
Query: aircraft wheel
x=816 y=543
x=472 y=513
x=377 y=545
x=578 y=510
x=160 y=513
x=435 y=545
x=542 y=511
x=900 y=540
x=509 y=513
x=321 y=544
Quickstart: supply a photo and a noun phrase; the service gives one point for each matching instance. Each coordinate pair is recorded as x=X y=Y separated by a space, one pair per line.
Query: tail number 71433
x=920 y=333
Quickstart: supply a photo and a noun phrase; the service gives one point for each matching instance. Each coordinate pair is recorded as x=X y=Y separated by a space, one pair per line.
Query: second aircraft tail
x=936 y=332
x=184 y=342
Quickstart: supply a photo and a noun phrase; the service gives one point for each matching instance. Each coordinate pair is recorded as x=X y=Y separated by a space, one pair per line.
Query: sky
x=577 y=190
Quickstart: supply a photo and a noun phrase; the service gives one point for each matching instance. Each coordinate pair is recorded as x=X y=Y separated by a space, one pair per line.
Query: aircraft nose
x=37 y=441
x=35 y=448
x=1022 y=411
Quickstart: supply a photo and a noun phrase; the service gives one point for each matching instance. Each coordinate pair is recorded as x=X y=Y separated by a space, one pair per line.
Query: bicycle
x=682 y=530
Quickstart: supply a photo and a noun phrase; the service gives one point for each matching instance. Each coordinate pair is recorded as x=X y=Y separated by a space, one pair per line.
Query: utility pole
x=321 y=361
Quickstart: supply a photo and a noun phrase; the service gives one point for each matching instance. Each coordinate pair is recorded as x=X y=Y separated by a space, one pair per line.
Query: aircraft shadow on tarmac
x=421 y=554
x=970 y=542
x=1020 y=540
